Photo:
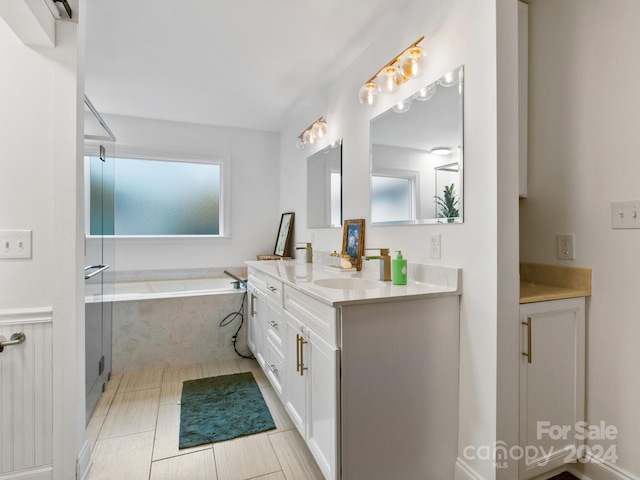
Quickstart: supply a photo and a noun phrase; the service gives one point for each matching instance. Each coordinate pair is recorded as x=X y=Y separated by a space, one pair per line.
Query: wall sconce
x=410 y=63
x=309 y=135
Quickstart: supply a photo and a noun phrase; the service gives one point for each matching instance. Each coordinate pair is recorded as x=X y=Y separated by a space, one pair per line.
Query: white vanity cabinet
x=370 y=379
x=312 y=366
x=552 y=373
x=266 y=326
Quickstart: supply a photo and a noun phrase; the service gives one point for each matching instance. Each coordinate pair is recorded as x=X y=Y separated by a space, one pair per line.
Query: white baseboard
x=83 y=465
x=465 y=472
x=42 y=473
x=595 y=467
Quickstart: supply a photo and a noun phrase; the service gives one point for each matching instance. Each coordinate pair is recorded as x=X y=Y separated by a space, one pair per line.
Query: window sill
x=147 y=239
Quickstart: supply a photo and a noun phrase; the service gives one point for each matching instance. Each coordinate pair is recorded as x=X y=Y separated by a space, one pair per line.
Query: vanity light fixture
x=410 y=63
x=309 y=135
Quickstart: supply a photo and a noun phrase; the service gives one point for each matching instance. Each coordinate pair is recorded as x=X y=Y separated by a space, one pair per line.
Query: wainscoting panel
x=26 y=412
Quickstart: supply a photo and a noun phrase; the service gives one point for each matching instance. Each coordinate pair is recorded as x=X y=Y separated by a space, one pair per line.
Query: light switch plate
x=15 y=244
x=625 y=214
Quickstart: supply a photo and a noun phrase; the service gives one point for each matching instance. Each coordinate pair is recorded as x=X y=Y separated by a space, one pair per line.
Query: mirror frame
x=457 y=75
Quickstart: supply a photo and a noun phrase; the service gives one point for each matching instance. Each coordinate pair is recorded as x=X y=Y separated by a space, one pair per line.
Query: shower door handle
x=101 y=268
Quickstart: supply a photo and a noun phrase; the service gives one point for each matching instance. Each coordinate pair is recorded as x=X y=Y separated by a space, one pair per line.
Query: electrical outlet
x=566 y=247
x=434 y=246
x=15 y=244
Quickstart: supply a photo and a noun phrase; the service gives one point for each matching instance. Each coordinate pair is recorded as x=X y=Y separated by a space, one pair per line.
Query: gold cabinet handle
x=272 y=323
x=528 y=352
x=302 y=367
x=297 y=352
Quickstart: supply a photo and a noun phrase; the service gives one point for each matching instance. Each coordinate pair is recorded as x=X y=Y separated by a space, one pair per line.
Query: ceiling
x=241 y=63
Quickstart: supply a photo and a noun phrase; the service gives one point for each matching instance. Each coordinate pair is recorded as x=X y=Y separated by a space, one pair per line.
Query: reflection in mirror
x=324 y=187
x=416 y=157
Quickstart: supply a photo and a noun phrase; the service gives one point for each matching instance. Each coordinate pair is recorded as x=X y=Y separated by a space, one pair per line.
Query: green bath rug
x=221 y=408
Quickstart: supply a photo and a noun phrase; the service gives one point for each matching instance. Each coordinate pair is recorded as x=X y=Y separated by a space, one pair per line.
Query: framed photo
x=284 y=234
x=353 y=241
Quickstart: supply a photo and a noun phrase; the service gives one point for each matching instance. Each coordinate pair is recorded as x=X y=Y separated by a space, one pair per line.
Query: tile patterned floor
x=134 y=433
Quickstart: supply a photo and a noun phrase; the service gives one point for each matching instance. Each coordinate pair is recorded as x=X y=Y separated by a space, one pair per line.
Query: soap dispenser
x=399 y=270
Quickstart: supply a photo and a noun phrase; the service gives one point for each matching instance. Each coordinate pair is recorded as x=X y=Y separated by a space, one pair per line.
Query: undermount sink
x=349 y=283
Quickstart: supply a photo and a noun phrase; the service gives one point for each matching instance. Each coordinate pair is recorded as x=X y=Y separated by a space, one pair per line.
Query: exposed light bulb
x=402 y=106
x=389 y=79
x=425 y=93
x=307 y=137
x=413 y=62
x=449 y=80
x=369 y=94
x=319 y=129
x=300 y=144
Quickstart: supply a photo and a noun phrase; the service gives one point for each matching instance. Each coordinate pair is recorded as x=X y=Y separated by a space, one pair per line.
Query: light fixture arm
x=321 y=119
x=396 y=59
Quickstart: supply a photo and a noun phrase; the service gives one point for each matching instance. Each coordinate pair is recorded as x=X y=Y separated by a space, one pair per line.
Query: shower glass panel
x=99 y=253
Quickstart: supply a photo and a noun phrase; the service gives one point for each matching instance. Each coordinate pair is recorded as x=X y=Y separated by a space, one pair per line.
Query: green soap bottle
x=399 y=270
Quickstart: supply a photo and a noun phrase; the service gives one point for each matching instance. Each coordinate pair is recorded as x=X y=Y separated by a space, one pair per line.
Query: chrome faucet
x=385 y=262
x=309 y=249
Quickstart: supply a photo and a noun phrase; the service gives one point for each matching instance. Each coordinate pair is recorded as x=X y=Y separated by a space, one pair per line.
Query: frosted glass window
x=391 y=199
x=154 y=197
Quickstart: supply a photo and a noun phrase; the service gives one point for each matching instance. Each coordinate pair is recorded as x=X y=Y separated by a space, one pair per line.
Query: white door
x=551 y=384
x=296 y=351
x=323 y=413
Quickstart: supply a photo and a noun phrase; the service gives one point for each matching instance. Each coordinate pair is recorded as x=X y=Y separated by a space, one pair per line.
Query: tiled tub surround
x=170 y=322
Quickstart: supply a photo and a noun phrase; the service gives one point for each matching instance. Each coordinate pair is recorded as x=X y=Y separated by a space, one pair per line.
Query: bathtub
x=154 y=289
x=172 y=322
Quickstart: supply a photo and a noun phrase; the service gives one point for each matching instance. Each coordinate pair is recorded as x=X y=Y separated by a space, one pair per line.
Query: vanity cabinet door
x=296 y=346
x=312 y=393
x=323 y=411
x=551 y=383
x=256 y=335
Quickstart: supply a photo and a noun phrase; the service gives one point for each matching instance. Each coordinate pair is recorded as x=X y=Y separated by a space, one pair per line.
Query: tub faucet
x=385 y=262
x=309 y=249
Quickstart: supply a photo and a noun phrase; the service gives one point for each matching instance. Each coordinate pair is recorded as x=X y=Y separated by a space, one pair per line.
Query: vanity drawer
x=274 y=324
x=270 y=286
x=319 y=317
x=274 y=366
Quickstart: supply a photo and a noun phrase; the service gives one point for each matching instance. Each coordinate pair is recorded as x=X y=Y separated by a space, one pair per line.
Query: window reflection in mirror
x=324 y=187
x=416 y=157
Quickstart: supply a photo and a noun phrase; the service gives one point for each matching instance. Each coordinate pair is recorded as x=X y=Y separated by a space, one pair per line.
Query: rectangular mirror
x=416 y=157
x=324 y=187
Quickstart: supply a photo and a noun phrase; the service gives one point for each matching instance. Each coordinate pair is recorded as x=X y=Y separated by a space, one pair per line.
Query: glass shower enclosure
x=99 y=147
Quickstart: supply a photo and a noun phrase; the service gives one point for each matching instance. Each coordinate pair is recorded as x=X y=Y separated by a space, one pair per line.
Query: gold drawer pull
x=528 y=352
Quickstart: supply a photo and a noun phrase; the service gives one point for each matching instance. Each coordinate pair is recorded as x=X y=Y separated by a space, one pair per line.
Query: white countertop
x=423 y=281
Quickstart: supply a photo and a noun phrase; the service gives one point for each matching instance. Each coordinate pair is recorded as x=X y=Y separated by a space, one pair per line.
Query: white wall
x=457 y=32
x=583 y=120
x=255 y=213
x=39 y=94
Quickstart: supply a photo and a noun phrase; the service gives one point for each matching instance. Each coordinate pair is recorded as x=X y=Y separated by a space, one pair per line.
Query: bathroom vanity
x=552 y=365
x=367 y=370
